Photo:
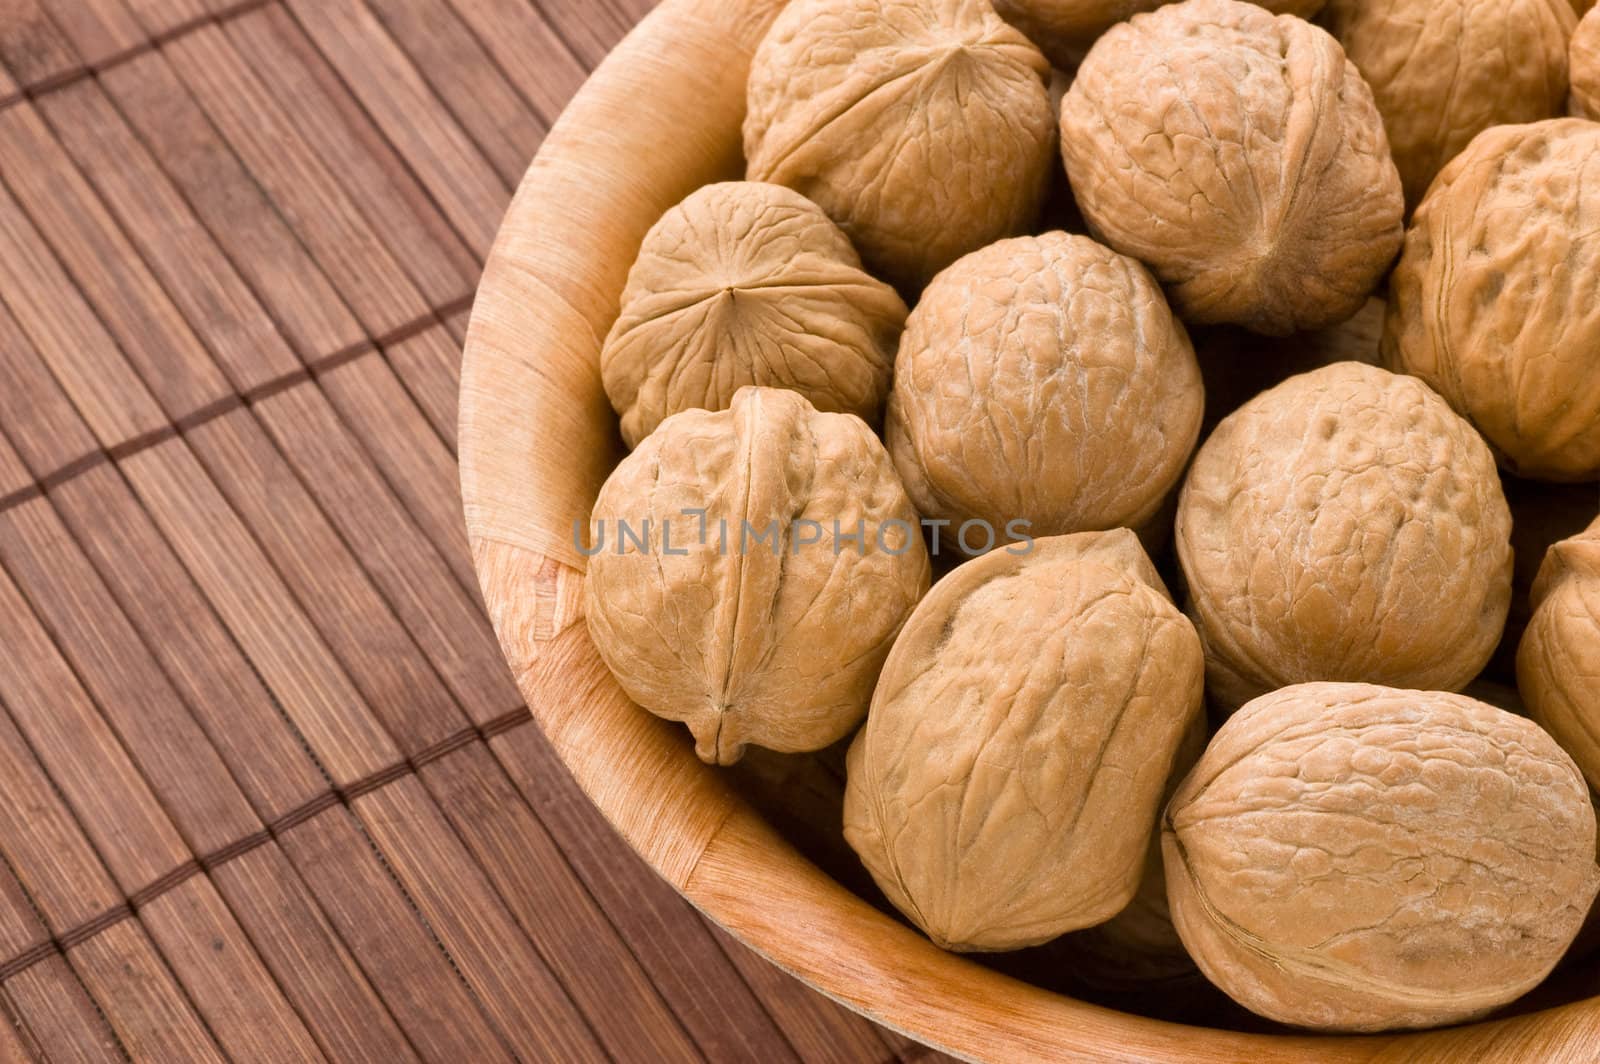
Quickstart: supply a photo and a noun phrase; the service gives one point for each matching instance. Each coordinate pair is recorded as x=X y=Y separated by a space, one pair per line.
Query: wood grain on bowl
x=660 y=118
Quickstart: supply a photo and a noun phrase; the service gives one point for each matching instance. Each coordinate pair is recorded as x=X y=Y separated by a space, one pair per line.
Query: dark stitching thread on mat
x=229 y=403
x=63 y=78
x=233 y=851
x=72 y=469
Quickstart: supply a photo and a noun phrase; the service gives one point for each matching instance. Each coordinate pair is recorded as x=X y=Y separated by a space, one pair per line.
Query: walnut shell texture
x=1558 y=663
x=1007 y=780
x=1239 y=155
x=1584 y=63
x=1139 y=948
x=773 y=636
x=923 y=127
x=1345 y=525
x=1351 y=857
x=1064 y=29
x=1443 y=71
x=1493 y=301
x=1045 y=379
x=748 y=283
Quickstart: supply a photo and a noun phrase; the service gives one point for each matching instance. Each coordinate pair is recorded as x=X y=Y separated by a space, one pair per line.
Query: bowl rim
x=660 y=117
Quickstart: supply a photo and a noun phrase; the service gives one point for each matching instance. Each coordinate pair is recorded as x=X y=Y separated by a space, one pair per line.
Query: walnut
x=1005 y=785
x=1063 y=29
x=1584 y=61
x=923 y=127
x=1558 y=664
x=1493 y=302
x=1043 y=379
x=1139 y=948
x=780 y=558
x=747 y=283
x=1240 y=156
x=1443 y=71
x=1351 y=857
x=1345 y=525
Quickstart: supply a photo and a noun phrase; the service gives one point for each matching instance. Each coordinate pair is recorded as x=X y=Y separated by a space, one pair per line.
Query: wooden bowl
x=658 y=119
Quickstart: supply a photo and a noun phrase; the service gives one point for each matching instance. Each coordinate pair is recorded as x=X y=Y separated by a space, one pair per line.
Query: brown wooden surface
x=267 y=789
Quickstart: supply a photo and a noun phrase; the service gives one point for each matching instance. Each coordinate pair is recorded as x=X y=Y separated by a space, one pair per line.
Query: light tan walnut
x=1239 y=155
x=1360 y=858
x=923 y=127
x=1043 y=379
x=1493 y=302
x=1064 y=29
x=1007 y=780
x=1558 y=663
x=1139 y=948
x=1443 y=71
x=780 y=560
x=1345 y=525
x=748 y=283
x=1584 y=61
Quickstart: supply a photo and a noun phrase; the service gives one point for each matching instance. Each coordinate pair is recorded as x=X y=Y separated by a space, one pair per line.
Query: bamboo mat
x=267 y=791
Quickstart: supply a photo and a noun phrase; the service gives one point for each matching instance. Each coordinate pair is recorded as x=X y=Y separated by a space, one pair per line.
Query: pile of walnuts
x=1147 y=565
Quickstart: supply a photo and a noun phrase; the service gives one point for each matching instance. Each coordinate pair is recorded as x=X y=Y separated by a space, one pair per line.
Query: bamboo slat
x=44 y=846
x=206 y=666
x=342 y=1010
x=386 y=82
x=229 y=566
x=12 y=1046
x=14 y=476
x=675 y=949
x=159 y=344
x=405 y=210
x=118 y=671
x=531 y=875
x=533 y=1012
x=20 y=930
x=429 y=1001
x=43 y=426
x=225 y=198
x=376 y=652
x=60 y=1017
x=179 y=250
x=33 y=49
x=414 y=460
x=148 y=1010
x=529 y=50
x=430 y=365
x=203 y=800
x=265 y=137
x=165 y=16
x=61 y=328
x=100 y=30
x=436 y=608
x=503 y=126
x=593 y=27
x=108 y=793
x=232 y=990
